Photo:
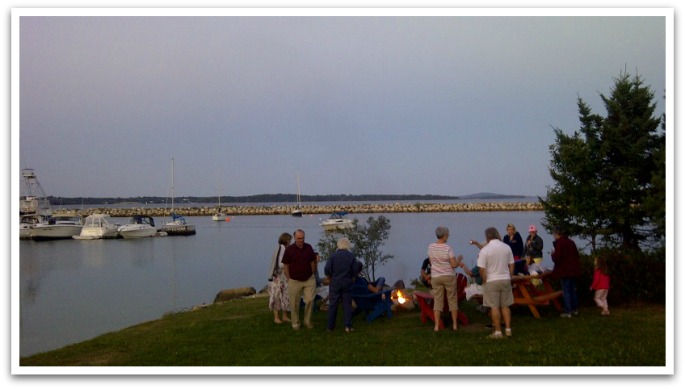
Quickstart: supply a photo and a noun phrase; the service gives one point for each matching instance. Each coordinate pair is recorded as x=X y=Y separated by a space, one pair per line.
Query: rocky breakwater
x=244 y=210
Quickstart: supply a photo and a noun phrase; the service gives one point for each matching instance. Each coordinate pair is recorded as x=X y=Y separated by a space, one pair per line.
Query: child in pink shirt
x=600 y=284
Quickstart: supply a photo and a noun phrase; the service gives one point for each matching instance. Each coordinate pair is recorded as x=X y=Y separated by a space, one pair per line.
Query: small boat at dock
x=98 y=226
x=178 y=226
x=140 y=227
x=57 y=227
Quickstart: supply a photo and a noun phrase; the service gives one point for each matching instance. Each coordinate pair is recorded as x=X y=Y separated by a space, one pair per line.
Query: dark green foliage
x=635 y=276
x=610 y=174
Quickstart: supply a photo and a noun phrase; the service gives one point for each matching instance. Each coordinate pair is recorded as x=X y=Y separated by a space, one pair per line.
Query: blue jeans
x=568 y=287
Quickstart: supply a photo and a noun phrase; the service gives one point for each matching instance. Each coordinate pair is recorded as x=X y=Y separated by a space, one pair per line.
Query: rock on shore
x=230 y=294
x=243 y=210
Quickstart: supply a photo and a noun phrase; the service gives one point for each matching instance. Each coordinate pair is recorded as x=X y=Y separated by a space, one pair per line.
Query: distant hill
x=227 y=200
x=273 y=198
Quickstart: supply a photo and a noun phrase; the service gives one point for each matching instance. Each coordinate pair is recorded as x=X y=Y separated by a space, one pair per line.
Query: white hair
x=343 y=243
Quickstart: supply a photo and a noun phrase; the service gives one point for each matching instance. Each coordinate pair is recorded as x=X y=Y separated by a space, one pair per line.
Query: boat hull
x=332 y=225
x=97 y=233
x=137 y=231
x=54 y=232
x=219 y=217
x=178 y=230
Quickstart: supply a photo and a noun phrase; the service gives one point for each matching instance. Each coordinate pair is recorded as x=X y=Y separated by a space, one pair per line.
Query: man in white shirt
x=496 y=265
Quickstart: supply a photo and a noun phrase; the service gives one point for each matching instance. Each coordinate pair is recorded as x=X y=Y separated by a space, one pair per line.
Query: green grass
x=242 y=333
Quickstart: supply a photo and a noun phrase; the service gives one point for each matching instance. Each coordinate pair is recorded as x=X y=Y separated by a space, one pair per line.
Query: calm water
x=74 y=290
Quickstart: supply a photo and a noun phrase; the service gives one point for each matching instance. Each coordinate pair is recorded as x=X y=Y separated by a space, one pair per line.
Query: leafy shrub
x=635 y=276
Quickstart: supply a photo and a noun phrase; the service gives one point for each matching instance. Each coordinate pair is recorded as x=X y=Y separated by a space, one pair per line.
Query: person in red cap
x=533 y=248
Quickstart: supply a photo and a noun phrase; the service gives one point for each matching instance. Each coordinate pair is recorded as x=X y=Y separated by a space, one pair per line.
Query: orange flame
x=400 y=297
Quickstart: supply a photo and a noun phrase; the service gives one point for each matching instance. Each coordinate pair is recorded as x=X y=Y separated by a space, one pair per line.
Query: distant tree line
x=262 y=198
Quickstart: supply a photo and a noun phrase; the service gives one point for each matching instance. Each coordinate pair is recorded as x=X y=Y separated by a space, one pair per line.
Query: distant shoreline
x=241 y=210
x=272 y=198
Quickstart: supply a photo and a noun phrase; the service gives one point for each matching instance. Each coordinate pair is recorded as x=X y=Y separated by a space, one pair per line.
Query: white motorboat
x=336 y=221
x=139 y=227
x=57 y=227
x=178 y=224
x=26 y=224
x=98 y=226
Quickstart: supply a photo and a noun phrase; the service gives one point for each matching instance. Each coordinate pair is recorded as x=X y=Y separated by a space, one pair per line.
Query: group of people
x=495 y=267
x=294 y=268
x=293 y=273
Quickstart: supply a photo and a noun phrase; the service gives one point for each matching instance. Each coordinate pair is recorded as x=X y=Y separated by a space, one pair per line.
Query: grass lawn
x=242 y=333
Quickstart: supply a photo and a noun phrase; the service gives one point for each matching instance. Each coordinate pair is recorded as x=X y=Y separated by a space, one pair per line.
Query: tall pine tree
x=608 y=172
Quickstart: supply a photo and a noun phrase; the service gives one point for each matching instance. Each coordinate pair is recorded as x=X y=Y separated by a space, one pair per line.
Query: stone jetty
x=243 y=210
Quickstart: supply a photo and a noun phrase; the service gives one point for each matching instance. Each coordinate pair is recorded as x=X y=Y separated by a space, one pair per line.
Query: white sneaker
x=566 y=315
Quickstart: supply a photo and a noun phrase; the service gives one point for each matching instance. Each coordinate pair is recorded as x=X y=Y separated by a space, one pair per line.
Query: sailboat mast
x=299 y=200
x=172 y=185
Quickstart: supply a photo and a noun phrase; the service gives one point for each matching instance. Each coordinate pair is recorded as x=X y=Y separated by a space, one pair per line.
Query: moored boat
x=57 y=227
x=297 y=212
x=27 y=222
x=336 y=221
x=139 y=227
x=178 y=224
x=34 y=206
x=98 y=226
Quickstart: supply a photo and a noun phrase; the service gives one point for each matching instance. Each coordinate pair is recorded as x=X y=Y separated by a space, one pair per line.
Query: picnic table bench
x=425 y=301
x=526 y=292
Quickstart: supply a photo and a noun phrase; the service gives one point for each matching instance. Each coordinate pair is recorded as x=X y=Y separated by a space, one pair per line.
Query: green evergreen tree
x=608 y=172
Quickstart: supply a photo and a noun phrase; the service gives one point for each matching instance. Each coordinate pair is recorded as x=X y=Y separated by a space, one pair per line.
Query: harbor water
x=74 y=290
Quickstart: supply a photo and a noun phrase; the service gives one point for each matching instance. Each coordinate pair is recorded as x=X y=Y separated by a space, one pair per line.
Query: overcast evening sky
x=357 y=105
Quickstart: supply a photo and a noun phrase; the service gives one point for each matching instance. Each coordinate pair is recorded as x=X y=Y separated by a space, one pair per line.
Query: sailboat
x=297 y=212
x=219 y=215
x=178 y=224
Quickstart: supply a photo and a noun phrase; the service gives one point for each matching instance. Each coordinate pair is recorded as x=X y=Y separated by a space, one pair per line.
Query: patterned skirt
x=278 y=293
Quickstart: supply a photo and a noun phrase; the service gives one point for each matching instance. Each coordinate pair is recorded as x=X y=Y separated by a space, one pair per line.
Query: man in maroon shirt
x=299 y=260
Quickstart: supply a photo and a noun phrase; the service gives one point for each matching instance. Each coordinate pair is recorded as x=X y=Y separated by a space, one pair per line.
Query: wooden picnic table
x=526 y=292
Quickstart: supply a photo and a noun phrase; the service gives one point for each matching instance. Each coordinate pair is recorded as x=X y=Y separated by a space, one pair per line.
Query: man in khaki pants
x=299 y=262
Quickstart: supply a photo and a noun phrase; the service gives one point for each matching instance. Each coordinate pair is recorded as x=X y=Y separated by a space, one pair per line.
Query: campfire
x=401 y=299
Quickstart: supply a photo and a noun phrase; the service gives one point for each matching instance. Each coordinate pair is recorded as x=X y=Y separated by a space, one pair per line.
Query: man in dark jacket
x=566 y=267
